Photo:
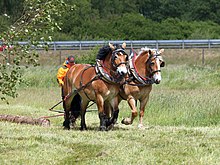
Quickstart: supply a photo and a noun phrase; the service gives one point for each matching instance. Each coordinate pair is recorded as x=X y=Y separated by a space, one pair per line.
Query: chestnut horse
x=83 y=84
x=144 y=71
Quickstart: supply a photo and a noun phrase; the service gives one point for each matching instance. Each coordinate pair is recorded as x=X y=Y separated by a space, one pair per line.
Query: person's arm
x=60 y=75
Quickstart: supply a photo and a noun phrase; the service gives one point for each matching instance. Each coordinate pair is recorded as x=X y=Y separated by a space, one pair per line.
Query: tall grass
x=41 y=76
x=182 y=122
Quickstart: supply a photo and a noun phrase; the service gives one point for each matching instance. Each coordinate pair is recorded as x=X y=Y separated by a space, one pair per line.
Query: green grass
x=124 y=145
x=182 y=123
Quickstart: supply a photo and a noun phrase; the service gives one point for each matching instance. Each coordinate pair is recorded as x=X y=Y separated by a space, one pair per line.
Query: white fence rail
x=169 y=44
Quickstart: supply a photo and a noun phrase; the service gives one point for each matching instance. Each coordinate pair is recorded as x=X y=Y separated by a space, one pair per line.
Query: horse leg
x=67 y=109
x=142 y=109
x=66 y=122
x=108 y=110
x=113 y=120
x=102 y=116
x=111 y=110
x=132 y=103
x=83 y=114
x=115 y=110
x=75 y=109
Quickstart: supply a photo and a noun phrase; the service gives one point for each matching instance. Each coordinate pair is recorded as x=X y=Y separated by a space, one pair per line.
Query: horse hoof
x=66 y=125
x=110 y=127
x=103 y=128
x=66 y=128
x=140 y=126
x=83 y=129
x=126 y=121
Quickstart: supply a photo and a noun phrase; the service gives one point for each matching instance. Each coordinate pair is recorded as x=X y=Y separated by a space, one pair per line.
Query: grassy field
x=182 y=120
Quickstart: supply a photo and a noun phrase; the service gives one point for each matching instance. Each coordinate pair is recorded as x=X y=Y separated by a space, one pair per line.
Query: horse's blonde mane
x=143 y=49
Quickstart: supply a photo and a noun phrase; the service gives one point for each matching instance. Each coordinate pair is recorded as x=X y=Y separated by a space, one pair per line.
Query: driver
x=69 y=62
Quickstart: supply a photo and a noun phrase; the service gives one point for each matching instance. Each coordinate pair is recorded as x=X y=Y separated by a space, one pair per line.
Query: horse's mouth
x=157 y=81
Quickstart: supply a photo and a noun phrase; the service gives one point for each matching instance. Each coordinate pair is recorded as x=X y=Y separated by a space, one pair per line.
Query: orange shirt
x=62 y=73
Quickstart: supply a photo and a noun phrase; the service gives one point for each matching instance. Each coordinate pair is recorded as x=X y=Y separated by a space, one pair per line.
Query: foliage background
x=130 y=19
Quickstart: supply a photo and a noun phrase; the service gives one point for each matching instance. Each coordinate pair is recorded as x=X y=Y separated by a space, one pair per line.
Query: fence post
x=54 y=46
x=60 y=58
x=203 y=57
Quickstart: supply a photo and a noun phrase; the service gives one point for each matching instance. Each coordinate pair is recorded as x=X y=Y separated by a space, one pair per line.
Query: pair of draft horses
x=119 y=77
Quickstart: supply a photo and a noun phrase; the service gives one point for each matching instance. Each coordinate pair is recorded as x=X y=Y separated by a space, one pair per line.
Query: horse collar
x=103 y=74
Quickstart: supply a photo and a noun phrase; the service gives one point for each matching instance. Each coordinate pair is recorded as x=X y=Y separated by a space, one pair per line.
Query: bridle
x=115 y=56
x=150 y=59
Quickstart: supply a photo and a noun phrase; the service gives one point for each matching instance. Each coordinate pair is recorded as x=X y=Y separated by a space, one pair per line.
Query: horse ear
x=123 y=45
x=111 y=46
x=161 y=51
x=151 y=52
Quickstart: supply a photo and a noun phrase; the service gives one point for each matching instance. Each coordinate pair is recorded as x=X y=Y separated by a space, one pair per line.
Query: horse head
x=146 y=65
x=119 y=59
x=155 y=62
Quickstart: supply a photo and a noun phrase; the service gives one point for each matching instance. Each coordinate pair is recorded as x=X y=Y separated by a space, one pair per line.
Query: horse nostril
x=122 y=73
x=157 y=81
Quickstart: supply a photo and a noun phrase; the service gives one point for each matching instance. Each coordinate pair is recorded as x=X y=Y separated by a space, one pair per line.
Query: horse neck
x=108 y=63
x=140 y=64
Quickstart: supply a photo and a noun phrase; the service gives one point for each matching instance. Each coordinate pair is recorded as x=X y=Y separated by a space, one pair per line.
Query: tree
x=37 y=20
x=76 y=24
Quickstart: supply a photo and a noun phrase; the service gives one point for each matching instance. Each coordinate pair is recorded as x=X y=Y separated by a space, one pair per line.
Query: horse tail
x=76 y=106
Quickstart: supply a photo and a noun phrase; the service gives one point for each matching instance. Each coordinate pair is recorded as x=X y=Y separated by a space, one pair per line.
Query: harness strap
x=99 y=68
x=83 y=87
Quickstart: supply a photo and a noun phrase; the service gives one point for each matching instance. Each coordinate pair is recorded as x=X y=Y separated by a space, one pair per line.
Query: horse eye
x=152 y=63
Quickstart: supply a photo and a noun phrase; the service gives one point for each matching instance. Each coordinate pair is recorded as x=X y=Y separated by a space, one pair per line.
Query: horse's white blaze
x=157 y=75
x=122 y=70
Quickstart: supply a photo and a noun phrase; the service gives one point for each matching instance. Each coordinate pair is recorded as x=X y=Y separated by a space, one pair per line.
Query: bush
x=89 y=58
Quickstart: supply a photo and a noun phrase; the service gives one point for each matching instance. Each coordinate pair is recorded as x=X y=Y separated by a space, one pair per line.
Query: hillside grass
x=182 y=121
